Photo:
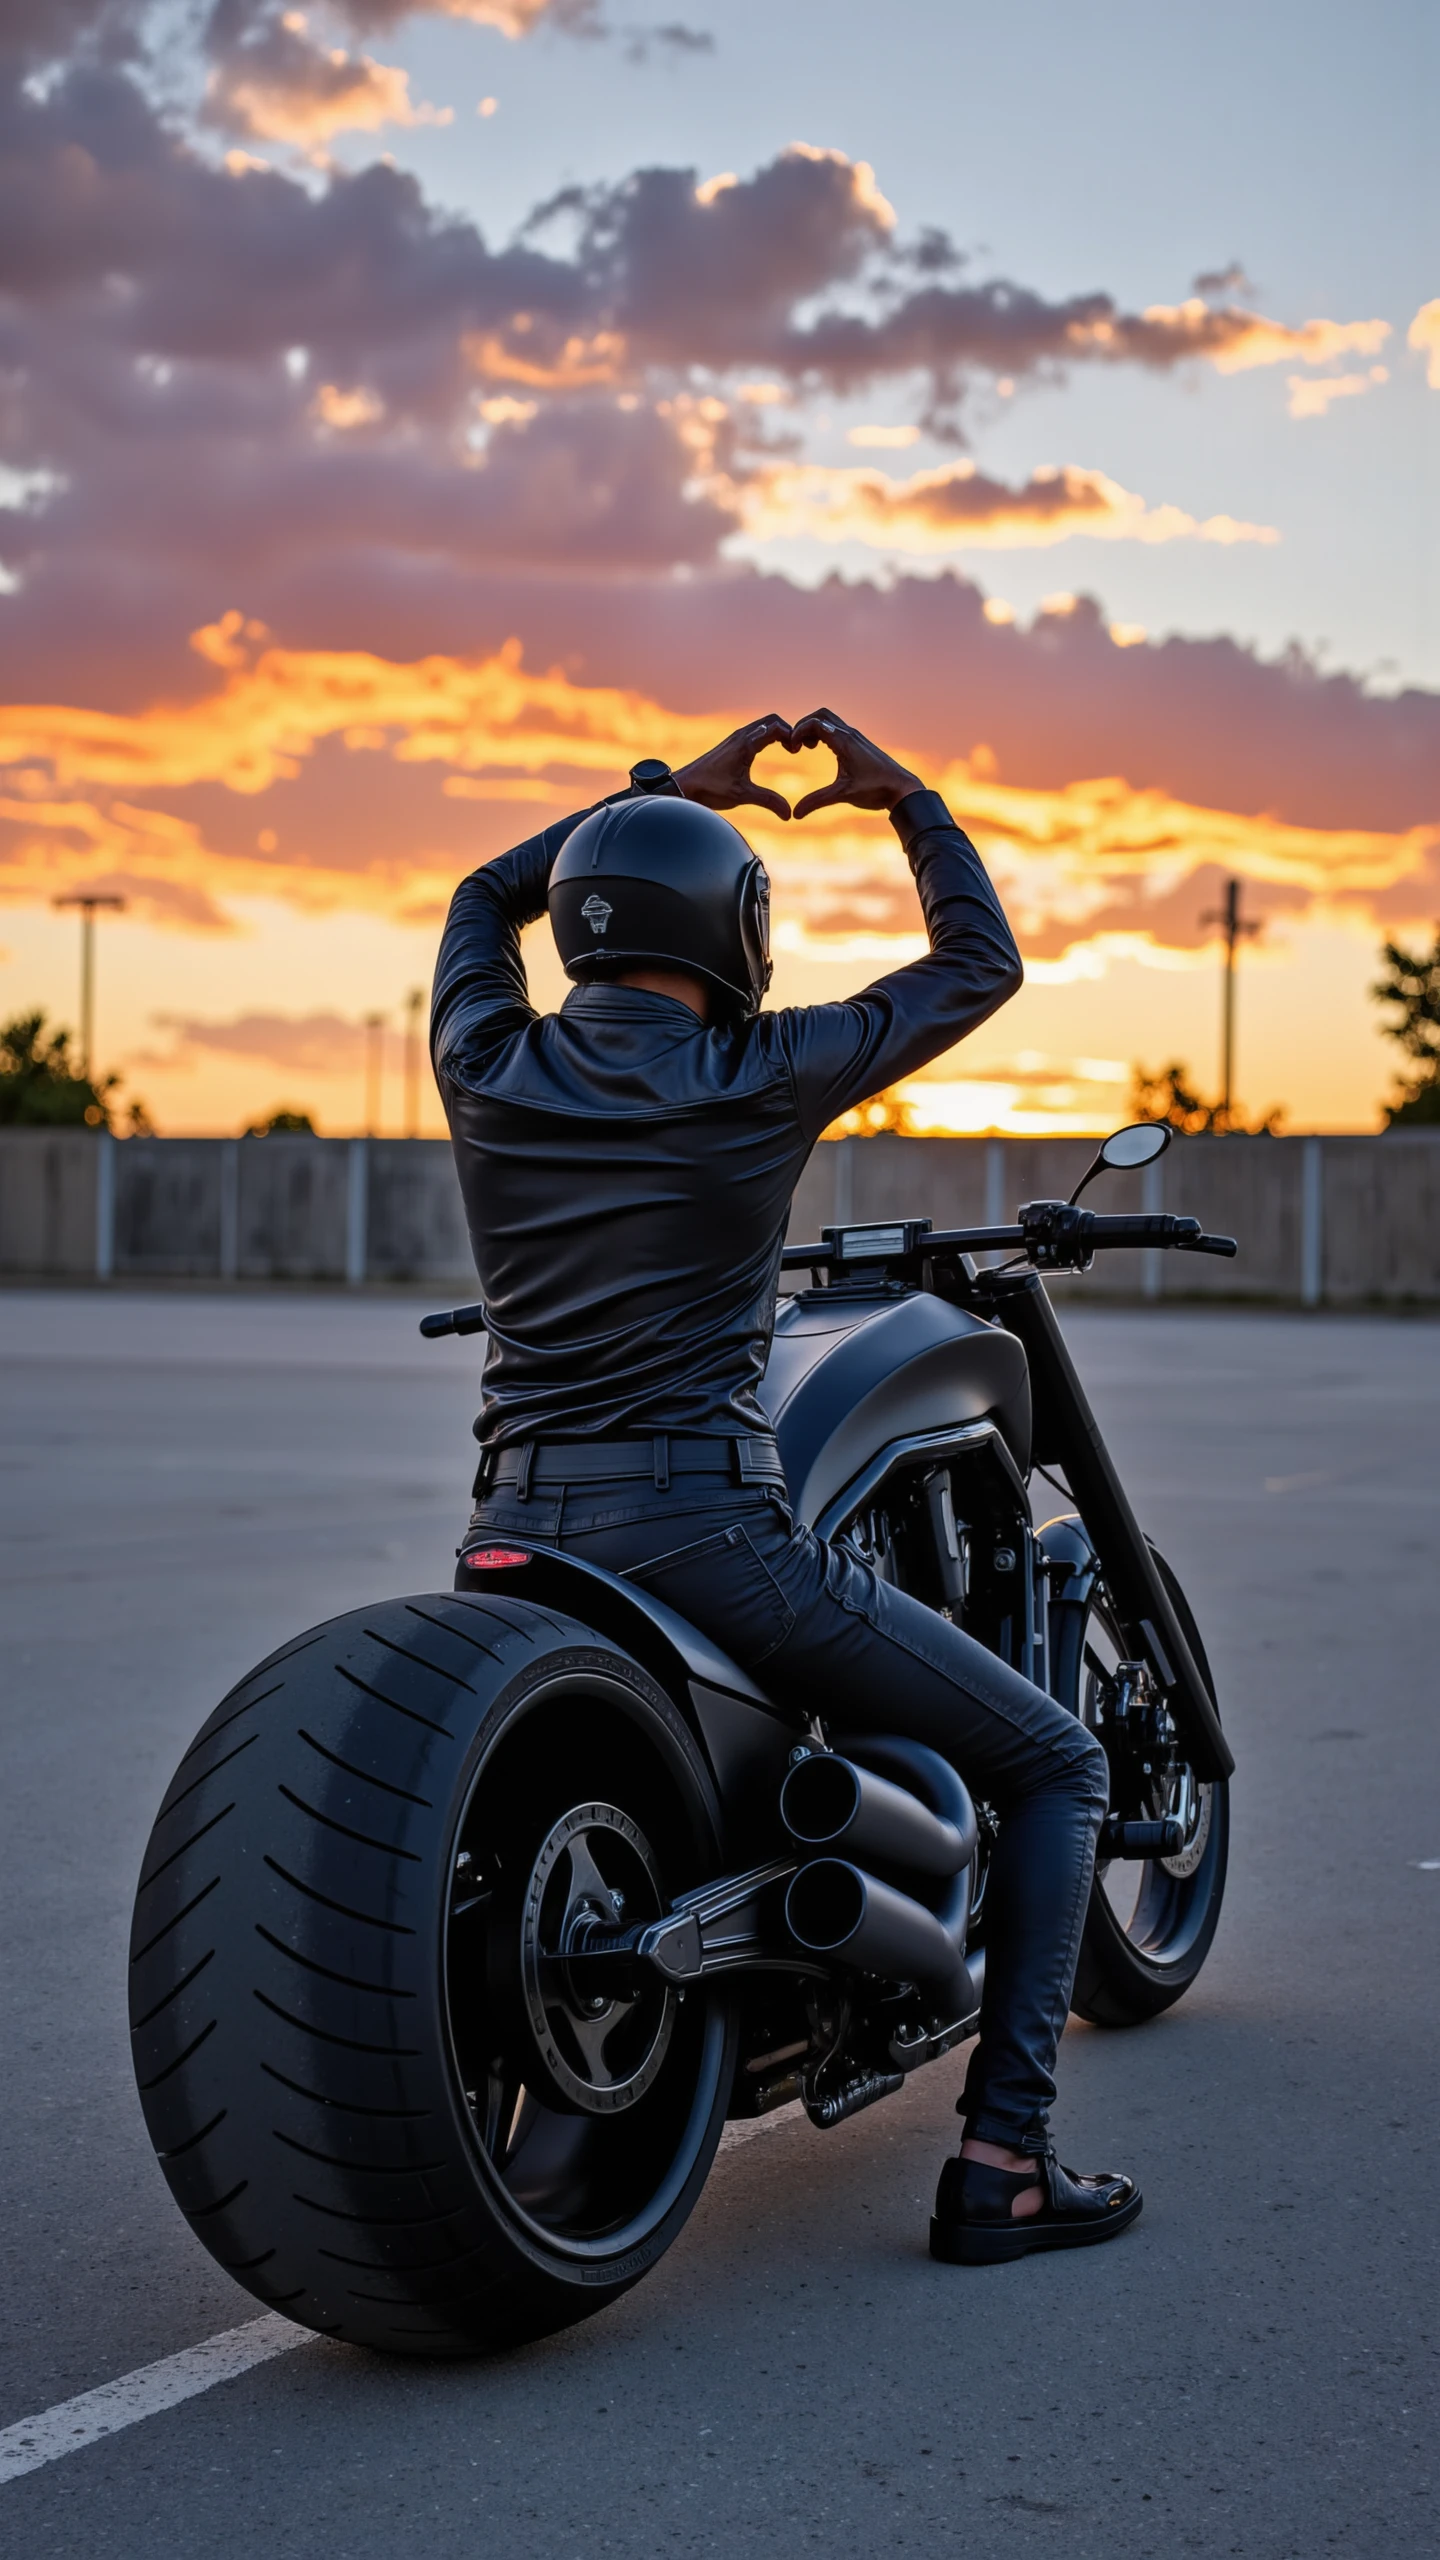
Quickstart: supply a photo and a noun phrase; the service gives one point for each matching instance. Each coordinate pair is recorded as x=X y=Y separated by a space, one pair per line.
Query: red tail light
x=493 y=1559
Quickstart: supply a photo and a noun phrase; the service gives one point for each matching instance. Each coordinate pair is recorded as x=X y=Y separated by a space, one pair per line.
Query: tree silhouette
x=1167 y=1096
x=284 y=1123
x=39 y=1086
x=1412 y=985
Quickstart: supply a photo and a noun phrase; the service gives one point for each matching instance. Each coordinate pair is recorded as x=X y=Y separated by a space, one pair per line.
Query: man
x=627 y=1165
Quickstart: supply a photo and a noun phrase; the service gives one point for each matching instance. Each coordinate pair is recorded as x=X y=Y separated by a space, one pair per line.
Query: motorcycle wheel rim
x=594 y=2189
x=1158 y=1905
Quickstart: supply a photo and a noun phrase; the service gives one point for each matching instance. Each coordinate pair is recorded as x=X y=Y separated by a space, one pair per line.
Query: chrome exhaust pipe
x=828 y=1803
x=835 y=1909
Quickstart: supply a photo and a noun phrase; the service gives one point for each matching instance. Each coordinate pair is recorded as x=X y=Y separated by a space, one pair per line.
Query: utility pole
x=87 y=901
x=374 y=1061
x=1235 y=927
x=414 y=1004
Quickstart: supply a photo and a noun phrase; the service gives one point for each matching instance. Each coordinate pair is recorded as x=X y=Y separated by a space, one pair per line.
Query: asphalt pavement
x=189 y=1479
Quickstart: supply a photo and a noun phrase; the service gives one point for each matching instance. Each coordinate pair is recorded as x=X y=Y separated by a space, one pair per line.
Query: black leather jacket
x=627 y=1169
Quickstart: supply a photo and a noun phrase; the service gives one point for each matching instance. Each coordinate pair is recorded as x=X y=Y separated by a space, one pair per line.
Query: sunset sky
x=410 y=415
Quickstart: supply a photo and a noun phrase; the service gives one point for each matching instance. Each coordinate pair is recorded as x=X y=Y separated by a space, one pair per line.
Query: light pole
x=87 y=901
x=374 y=1055
x=413 y=1005
x=1235 y=926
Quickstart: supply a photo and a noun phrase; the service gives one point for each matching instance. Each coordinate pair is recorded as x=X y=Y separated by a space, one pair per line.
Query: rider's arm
x=480 y=983
x=840 y=1054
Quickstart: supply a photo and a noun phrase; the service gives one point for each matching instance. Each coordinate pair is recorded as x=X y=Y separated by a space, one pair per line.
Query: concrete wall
x=1321 y=1221
x=51 y=1185
x=291 y=1207
x=76 y=1206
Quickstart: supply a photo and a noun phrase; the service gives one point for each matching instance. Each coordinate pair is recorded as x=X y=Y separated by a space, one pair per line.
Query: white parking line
x=72 y=2424
x=31 y=2442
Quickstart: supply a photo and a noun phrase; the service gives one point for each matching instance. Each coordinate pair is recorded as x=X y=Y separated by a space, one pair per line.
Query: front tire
x=380 y=2102
x=1151 y=1922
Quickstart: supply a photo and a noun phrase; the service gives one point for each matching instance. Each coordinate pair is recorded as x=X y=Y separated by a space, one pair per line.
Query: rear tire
x=340 y=1999
x=1151 y=1923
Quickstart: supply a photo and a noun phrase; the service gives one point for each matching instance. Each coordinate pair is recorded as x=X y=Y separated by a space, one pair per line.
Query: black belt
x=744 y=1459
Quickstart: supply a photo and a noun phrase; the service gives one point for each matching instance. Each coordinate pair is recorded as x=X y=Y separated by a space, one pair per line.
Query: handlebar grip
x=1160 y=1226
x=453 y=1320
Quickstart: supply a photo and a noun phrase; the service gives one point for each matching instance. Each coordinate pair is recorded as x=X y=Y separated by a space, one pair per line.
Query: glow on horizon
x=1097 y=877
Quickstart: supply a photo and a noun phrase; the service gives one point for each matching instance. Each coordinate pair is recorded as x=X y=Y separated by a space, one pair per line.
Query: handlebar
x=805 y=1257
x=1055 y=1235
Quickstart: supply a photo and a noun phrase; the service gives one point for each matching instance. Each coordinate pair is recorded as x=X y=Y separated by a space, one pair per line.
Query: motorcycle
x=469 y=1918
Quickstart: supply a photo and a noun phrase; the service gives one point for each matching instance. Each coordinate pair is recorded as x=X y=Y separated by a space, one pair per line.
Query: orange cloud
x=958 y=507
x=273 y=709
x=857 y=177
x=883 y=439
x=158 y=863
x=541 y=359
x=1312 y=399
x=285 y=88
x=1096 y=856
x=1107 y=825
x=513 y=18
x=1424 y=334
x=1234 y=340
x=333 y=407
x=272 y=80
x=303 y=1044
x=275 y=705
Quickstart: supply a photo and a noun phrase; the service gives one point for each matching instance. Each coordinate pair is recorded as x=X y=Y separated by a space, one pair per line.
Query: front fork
x=1067 y=1433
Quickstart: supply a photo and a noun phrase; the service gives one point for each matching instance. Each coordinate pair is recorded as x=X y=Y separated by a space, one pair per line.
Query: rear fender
x=745 y=1736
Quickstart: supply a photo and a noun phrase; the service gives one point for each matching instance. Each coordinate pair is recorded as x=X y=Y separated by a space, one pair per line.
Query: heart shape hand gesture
x=866 y=777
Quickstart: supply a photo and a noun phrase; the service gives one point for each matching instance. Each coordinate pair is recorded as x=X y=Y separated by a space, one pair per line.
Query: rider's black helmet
x=660 y=883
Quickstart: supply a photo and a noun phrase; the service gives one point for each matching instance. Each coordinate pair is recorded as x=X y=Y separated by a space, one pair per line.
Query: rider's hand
x=720 y=779
x=867 y=779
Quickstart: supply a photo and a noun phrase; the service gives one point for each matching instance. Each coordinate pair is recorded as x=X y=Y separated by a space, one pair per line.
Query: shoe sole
x=986 y=2244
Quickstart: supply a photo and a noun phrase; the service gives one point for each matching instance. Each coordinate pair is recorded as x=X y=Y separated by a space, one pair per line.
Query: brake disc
x=1194 y=1806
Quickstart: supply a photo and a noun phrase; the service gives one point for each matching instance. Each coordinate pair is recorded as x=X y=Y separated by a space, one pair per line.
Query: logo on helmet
x=596 y=913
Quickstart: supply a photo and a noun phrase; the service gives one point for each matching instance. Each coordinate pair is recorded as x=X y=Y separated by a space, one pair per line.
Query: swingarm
x=734 y=1925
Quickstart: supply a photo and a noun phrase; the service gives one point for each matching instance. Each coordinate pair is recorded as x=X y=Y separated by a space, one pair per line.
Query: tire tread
x=266 y=1904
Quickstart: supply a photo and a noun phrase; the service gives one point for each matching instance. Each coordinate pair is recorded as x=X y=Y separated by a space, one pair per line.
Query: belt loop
x=662 y=1461
x=522 y=1473
x=740 y=1450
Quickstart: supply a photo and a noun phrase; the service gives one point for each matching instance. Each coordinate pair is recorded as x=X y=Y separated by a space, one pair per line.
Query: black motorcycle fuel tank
x=849 y=1373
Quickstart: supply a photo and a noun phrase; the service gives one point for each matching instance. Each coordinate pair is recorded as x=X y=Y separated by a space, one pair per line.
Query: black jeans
x=819 y=1629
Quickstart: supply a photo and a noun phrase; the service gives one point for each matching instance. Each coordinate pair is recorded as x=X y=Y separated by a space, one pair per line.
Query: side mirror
x=1125 y=1149
x=1141 y=1143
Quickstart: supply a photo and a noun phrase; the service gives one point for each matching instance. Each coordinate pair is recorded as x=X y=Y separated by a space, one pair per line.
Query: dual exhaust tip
x=836 y=1908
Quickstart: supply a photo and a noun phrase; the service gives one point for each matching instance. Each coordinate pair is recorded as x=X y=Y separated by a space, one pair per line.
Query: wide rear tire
x=339 y=1991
